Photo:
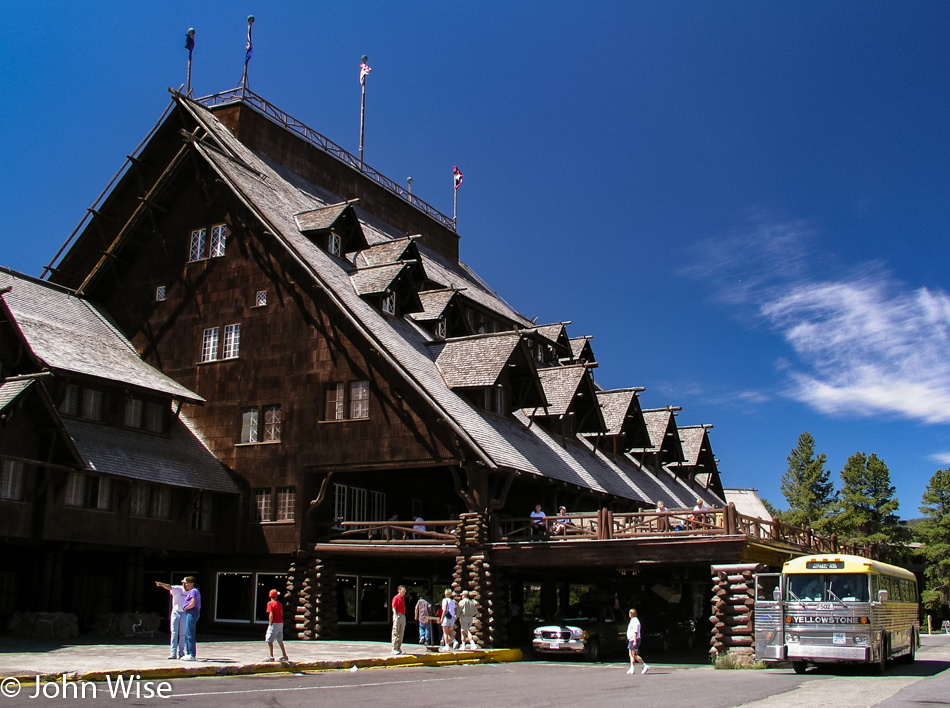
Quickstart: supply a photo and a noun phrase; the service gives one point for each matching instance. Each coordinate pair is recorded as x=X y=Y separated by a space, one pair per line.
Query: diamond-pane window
x=199 y=240
x=232 y=341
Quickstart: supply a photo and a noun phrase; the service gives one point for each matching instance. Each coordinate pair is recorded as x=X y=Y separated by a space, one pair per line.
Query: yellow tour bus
x=834 y=608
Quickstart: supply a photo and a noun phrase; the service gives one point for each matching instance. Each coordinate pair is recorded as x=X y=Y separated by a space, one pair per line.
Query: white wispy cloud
x=941 y=458
x=864 y=343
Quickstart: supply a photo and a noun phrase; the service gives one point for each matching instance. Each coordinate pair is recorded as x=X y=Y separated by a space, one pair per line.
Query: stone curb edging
x=489 y=656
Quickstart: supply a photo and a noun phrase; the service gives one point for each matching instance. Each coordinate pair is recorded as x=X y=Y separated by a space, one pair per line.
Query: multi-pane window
x=286 y=503
x=103 y=499
x=263 y=505
x=356 y=504
x=134 y=412
x=440 y=328
x=341 y=399
x=219 y=235
x=261 y=424
x=92 y=404
x=88 y=491
x=75 y=489
x=389 y=303
x=359 y=399
x=198 y=248
x=334 y=244
x=11 y=480
x=260 y=298
x=209 y=344
x=138 y=499
x=495 y=400
x=150 y=501
x=201 y=512
x=154 y=417
x=160 y=293
x=70 y=403
x=232 y=341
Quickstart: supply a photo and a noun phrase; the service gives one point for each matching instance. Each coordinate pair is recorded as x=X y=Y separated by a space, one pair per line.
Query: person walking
x=192 y=609
x=633 y=643
x=421 y=614
x=176 y=620
x=467 y=611
x=449 y=612
x=399 y=619
x=275 y=626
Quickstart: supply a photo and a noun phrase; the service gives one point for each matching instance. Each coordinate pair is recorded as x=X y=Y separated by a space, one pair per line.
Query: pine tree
x=807 y=487
x=867 y=509
x=934 y=533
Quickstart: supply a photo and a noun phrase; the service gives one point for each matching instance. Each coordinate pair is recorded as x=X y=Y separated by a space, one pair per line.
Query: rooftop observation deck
x=601 y=539
x=246 y=96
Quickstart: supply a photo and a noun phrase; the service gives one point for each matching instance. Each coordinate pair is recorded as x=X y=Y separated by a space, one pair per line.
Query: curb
x=488 y=656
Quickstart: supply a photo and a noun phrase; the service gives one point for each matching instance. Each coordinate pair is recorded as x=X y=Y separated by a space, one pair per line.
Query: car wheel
x=593 y=649
x=800 y=666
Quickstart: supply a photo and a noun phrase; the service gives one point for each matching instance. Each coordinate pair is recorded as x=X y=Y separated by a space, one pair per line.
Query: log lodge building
x=262 y=363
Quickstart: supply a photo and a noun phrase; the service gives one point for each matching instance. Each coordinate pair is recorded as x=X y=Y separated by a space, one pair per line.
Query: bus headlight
x=860 y=639
x=793 y=638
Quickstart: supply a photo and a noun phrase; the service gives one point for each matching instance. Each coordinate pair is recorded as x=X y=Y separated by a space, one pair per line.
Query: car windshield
x=827 y=587
x=582 y=613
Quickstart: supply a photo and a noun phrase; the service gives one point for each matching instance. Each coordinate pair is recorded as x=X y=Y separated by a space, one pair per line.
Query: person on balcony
x=561 y=522
x=662 y=519
x=538 y=526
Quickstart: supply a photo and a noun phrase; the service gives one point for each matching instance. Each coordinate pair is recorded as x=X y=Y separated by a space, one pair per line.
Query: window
x=495 y=400
x=209 y=344
x=104 y=494
x=355 y=504
x=232 y=341
x=11 y=480
x=201 y=512
x=333 y=244
x=199 y=238
x=138 y=500
x=88 y=491
x=70 y=402
x=219 y=235
x=134 y=410
x=155 y=417
x=263 y=505
x=198 y=249
x=359 y=399
x=235 y=593
x=160 y=293
x=92 y=404
x=260 y=298
x=286 y=503
x=440 y=327
x=336 y=402
x=150 y=501
x=75 y=489
x=335 y=405
x=253 y=431
x=389 y=303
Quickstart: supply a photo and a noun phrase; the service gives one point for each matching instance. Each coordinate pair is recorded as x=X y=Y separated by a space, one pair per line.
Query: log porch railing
x=599 y=526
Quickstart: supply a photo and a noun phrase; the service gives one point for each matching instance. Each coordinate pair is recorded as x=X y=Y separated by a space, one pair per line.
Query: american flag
x=458 y=177
x=364 y=70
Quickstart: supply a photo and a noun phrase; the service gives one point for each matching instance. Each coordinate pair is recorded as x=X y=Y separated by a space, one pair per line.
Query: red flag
x=458 y=177
x=364 y=70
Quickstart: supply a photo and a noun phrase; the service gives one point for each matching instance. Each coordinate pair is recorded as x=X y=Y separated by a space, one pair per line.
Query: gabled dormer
x=493 y=372
x=390 y=287
x=572 y=401
x=334 y=229
x=665 y=447
x=581 y=351
x=441 y=313
x=554 y=347
x=623 y=418
x=699 y=465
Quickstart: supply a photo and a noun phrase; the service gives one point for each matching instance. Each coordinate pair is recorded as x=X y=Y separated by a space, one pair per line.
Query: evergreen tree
x=867 y=510
x=807 y=487
x=934 y=533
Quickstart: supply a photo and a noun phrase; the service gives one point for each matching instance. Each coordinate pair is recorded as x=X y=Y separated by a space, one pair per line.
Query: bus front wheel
x=800 y=666
x=881 y=663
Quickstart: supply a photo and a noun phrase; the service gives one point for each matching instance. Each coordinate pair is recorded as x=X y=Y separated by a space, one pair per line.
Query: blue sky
x=746 y=203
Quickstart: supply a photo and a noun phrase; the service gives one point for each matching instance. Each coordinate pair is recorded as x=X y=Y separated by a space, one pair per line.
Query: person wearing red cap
x=275 y=627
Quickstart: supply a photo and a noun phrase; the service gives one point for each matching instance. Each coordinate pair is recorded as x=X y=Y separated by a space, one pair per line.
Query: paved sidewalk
x=83 y=660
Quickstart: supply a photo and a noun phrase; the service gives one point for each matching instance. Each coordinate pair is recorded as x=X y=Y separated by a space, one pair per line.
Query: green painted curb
x=489 y=656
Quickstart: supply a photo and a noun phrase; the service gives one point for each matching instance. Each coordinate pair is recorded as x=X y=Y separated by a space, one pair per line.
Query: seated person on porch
x=562 y=522
x=417 y=527
x=663 y=521
x=538 y=526
x=698 y=519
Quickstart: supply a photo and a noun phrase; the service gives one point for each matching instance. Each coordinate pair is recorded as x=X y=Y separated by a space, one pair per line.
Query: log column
x=473 y=572
x=733 y=606
x=311 y=598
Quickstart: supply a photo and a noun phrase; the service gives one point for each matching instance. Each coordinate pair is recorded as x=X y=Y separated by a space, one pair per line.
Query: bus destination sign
x=825 y=565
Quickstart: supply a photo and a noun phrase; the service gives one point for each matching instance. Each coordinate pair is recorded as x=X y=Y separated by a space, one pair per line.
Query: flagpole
x=190 y=46
x=249 y=52
x=362 y=104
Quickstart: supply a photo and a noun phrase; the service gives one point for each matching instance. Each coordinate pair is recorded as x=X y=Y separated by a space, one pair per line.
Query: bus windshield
x=827 y=587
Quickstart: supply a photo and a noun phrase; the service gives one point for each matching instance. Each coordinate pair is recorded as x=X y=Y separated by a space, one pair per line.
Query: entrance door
x=769 y=618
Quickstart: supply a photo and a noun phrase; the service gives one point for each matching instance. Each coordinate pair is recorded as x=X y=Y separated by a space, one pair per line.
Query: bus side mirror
x=777 y=595
x=882 y=596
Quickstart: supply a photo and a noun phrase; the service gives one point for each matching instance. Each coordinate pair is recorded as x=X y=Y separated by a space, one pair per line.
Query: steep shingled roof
x=434 y=303
x=375 y=280
x=476 y=361
x=69 y=334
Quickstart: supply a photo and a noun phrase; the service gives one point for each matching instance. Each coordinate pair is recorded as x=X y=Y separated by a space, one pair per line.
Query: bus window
x=827 y=587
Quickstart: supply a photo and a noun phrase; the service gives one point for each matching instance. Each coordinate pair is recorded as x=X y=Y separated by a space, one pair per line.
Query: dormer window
x=495 y=400
x=389 y=303
x=334 y=244
x=199 y=247
x=440 y=328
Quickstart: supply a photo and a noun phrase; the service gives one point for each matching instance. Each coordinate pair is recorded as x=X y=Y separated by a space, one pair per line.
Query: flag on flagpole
x=458 y=177
x=250 y=46
x=190 y=41
x=364 y=70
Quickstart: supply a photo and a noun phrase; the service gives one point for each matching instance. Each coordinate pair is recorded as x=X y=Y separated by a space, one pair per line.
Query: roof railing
x=245 y=95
